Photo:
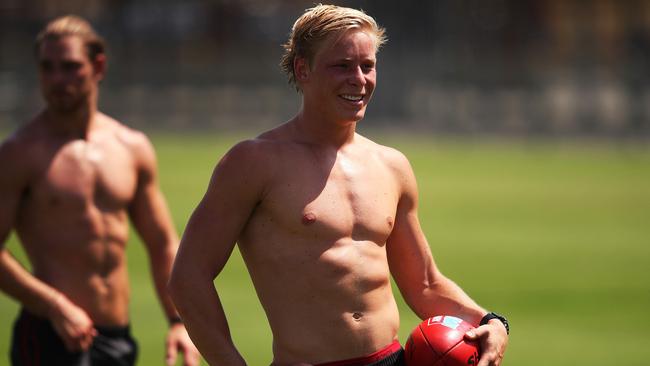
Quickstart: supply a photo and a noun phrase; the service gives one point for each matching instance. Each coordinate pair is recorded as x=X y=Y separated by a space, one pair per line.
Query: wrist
x=496 y=317
x=174 y=320
x=54 y=304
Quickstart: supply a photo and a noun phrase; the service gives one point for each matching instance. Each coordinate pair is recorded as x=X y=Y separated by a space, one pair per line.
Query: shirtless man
x=323 y=216
x=71 y=178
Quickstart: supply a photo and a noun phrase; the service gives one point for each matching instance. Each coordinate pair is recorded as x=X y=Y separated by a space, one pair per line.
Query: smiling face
x=340 y=79
x=67 y=76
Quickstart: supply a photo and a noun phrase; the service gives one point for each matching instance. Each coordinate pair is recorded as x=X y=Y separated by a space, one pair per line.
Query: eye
x=70 y=66
x=368 y=67
x=45 y=66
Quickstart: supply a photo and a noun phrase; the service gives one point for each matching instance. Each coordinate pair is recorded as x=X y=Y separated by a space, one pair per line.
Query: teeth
x=353 y=98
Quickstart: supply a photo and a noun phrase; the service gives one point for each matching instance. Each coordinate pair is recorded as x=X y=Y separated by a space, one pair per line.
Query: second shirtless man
x=70 y=181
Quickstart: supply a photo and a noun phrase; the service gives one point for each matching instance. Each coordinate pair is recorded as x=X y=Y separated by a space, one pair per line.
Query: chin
x=63 y=105
x=359 y=116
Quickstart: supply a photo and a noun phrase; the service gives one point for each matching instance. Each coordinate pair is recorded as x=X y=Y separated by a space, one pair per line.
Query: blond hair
x=318 y=23
x=72 y=25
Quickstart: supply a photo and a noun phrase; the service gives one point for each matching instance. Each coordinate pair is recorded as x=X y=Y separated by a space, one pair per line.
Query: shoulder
x=126 y=135
x=392 y=158
x=12 y=150
x=395 y=162
x=255 y=162
x=267 y=150
x=22 y=152
x=22 y=146
x=251 y=156
x=242 y=173
x=135 y=141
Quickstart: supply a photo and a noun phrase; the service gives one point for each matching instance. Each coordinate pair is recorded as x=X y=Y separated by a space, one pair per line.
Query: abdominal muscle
x=324 y=305
x=86 y=265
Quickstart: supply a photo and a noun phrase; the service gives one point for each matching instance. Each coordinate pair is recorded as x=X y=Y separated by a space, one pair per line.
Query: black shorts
x=36 y=343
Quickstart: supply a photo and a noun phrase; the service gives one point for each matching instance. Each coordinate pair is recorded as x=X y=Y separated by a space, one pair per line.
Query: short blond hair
x=318 y=23
x=72 y=25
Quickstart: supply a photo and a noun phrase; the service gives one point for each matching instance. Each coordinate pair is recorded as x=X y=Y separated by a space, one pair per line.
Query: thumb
x=473 y=334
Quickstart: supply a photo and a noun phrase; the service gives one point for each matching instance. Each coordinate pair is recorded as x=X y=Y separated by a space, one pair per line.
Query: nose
x=357 y=77
x=53 y=75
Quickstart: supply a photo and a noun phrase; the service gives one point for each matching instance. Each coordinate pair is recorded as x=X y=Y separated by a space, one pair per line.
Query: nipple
x=389 y=221
x=308 y=218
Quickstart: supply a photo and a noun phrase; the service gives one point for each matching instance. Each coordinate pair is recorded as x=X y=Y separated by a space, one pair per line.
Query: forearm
x=443 y=296
x=33 y=294
x=161 y=262
x=205 y=320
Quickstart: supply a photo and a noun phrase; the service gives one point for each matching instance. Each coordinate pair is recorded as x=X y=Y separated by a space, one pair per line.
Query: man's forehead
x=65 y=46
x=348 y=41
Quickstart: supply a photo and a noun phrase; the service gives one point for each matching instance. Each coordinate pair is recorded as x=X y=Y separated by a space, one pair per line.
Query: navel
x=357 y=316
x=308 y=218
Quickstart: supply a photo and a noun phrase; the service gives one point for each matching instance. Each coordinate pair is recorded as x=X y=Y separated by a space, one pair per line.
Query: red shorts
x=389 y=355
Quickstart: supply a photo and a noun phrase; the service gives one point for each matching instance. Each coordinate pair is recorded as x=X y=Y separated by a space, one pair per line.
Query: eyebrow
x=348 y=59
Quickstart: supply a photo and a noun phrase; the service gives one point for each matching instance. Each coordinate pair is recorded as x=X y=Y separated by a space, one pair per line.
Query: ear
x=99 y=66
x=301 y=69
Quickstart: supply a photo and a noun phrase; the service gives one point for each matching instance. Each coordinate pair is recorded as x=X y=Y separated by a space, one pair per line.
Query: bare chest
x=350 y=200
x=81 y=174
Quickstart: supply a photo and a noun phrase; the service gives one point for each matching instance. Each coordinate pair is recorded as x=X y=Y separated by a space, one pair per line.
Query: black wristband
x=489 y=316
x=175 y=320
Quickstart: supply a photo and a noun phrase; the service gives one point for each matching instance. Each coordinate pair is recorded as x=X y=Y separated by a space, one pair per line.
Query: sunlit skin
x=322 y=216
x=76 y=178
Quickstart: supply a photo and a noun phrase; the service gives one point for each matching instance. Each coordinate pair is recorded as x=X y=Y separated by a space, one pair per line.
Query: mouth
x=356 y=98
x=60 y=93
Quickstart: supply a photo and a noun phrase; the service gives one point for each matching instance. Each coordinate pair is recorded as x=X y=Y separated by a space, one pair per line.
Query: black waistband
x=108 y=331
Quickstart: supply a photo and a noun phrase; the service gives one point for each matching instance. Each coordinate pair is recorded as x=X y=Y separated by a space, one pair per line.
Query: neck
x=318 y=129
x=77 y=122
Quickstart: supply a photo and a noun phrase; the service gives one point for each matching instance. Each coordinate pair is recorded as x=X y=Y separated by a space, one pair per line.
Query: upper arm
x=13 y=182
x=148 y=210
x=236 y=187
x=409 y=255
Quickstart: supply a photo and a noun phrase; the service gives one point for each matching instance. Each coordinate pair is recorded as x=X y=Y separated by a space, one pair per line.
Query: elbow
x=186 y=282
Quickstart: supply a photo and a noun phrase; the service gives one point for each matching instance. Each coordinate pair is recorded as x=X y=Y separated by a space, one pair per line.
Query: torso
x=72 y=218
x=326 y=215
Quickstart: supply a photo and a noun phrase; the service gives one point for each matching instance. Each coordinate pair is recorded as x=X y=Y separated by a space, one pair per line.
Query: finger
x=483 y=361
x=192 y=357
x=471 y=335
x=488 y=359
x=189 y=358
x=475 y=334
x=190 y=353
x=85 y=343
x=171 y=353
x=86 y=338
x=80 y=341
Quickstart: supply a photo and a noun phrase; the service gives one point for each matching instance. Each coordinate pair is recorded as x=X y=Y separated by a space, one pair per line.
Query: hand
x=179 y=340
x=493 y=340
x=72 y=324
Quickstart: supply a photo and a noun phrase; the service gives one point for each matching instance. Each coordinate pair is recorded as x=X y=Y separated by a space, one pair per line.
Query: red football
x=438 y=341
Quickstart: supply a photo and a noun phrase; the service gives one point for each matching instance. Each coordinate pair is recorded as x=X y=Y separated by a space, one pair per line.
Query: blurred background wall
x=494 y=67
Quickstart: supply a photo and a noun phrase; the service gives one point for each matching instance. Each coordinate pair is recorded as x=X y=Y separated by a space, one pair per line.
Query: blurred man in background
x=323 y=217
x=71 y=179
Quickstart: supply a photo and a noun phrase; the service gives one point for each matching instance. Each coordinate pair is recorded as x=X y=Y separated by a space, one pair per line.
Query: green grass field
x=554 y=235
